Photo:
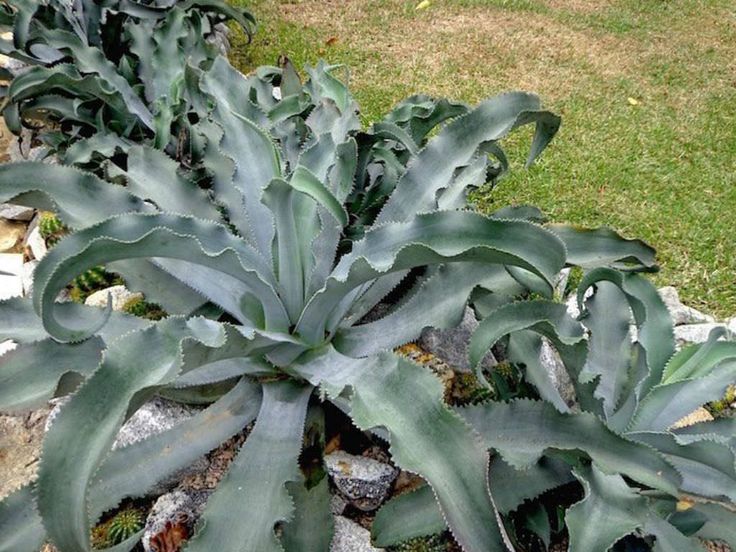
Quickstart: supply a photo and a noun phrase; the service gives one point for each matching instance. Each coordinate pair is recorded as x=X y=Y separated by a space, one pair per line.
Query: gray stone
x=220 y=38
x=364 y=482
x=694 y=333
x=14 y=66
x=175 y=508
x=452 y=345
x=8 y=211
x=20 y=149
x=551 y=361
x=120 y=295
x=27 y=277
x=682 y=314
x=351 y=537
x=11 y=275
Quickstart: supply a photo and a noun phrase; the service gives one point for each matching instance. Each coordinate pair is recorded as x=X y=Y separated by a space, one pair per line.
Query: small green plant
x=124 y=525
x=143 y=309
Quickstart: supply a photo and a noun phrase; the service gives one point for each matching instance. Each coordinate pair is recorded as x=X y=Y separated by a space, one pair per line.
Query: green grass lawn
x=647 y=91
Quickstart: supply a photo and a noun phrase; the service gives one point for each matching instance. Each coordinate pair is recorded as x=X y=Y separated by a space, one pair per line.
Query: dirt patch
x=580 y=6
x=486 y=48
x=20 y=446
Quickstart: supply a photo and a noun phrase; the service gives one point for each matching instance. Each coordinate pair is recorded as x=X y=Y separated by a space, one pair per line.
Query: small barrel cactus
x=124 y=525
x=51 y=228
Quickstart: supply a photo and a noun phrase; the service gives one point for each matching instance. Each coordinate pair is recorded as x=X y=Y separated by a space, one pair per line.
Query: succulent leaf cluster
x=287 y=225
x=104 y=75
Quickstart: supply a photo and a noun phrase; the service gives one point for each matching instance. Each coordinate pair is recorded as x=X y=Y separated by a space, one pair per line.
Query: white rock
x=11 y=275
x=572 y=302
x=551 y=361
x=363 y=481
x=27 y=277
x=561 y=282
x=7 y=346
x=351 y=537
x=9 y=211
x=36 y=243
x=694 y=333
x=120 y=295
x=682 y=314
x=731 y=325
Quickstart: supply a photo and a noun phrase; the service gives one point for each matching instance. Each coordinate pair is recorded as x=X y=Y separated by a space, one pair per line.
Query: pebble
x=8 y=211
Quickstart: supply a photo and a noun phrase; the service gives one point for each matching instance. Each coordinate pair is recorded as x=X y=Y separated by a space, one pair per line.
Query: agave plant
x=268 y=269
x=107 y=74
x=631 y=389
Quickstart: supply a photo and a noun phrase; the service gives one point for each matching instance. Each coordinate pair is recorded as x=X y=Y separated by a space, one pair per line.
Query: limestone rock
x=11 y=275
x=8 y=211
x=27 y=277
x=11 y=236
x=694 y=333
x=363 y=481
x=550 y=359
x=452 y=345
x=731 y=325
x=7 y=346
x=20 y=447
x=171 y=519
x=153 y=417
x=682 y=314
x=561 y=282
x=699 y=415
x=351 y=537
x=35 y=242
x=120 y=296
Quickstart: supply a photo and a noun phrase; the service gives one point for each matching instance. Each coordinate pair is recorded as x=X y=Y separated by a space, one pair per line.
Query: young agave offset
x=300 y=226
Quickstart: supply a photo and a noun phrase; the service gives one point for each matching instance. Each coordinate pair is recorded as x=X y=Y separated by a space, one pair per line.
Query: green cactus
x=434 y=543
x=51 y=228
x=138 y=306
x=466 y=389
x=124 y=525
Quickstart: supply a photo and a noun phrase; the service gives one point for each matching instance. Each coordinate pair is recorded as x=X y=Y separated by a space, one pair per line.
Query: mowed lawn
x=646 y=89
